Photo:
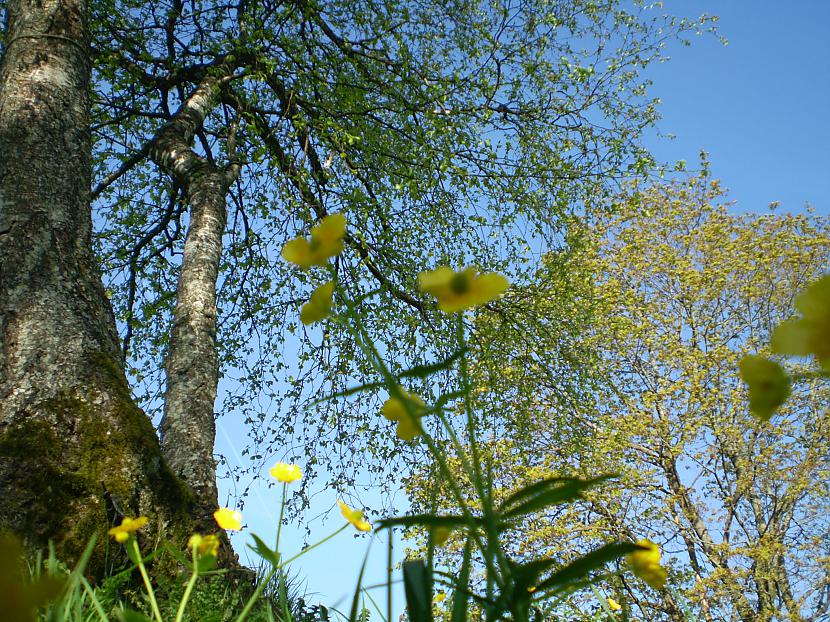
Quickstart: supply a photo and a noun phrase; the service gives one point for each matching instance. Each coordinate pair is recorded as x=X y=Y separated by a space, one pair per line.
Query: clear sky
x=760 y=106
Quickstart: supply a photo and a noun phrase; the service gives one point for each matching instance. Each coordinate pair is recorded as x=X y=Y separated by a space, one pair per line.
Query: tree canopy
x=669 y=291
x=447 y=133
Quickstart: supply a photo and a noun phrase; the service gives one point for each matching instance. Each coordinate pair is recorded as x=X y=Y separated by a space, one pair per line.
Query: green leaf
x=204 y=563
x=427 y=520
x=132 y=551
x=460 y=596
x=370 y=386
x=128 y=615
x=354 y=614
x=422 y=371
x=547 y=492
x=417 y=583
x=582 y=567
x=266 y=553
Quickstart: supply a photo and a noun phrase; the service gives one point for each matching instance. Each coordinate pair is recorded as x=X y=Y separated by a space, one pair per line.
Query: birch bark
x=188 y=428
x=71 y=438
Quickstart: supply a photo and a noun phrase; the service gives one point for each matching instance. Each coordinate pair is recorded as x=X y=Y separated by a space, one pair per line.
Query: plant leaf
x=266 y=553
x=460 y=596
x=580 y=568
x=417 y=583
x=548 y=492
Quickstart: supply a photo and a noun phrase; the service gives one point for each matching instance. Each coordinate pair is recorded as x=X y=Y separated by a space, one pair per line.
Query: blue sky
x=758 y=106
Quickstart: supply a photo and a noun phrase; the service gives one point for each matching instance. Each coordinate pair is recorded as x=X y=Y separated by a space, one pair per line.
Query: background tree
x=670 y=292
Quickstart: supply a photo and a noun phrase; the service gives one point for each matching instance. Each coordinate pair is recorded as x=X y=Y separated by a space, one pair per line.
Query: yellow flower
x=440 y=597
x=319 y=306
x=326 y=241
x=355 y=517
x=285 y=473
x=440 y=535
x=228 y=519
x=457 y=291
x=122 y=532
x=394 y=409
x=613 y=604
x=811 y=333
x=645 y=563
x=767 y=383
x=204 y=545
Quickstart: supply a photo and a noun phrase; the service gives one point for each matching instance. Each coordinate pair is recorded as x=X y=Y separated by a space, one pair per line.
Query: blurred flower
x=440 y=535
x=645 y=563
x=122 y=532
x=457 y=291
x=355 y=517
x=22 y=592
x=319 y=306
x=409 y=425
x=228 y=519
x=285 y=473
x=613 y=604
x=440 y=597
x=767 y=382
x=811 y=333
x=204 y=545
x=326 y=241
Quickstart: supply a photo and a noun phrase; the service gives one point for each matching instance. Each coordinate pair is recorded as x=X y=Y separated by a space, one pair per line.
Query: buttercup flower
x=645 y=563
x=228 y=519
x=355 y=517
x=440 y=535
x=408 y=426
x=204 y=545
x=326 y=241
x=319 y=306
x=285 y=473
x=613 y=604
x=811 y=333
x=767 y=383
x=122 y=532
x=457 y=291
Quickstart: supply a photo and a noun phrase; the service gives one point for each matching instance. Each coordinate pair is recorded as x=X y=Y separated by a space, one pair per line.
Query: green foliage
x=453 y=133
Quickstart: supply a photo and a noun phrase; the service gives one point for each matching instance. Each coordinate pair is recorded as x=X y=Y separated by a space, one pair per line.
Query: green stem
x=255 y=596
x=356 y=329
x=152 y=596
x=189 y=589
x=313 y=546
x=279 y=524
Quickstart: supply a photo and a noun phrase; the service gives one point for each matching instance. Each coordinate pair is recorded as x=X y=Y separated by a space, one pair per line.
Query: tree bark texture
x=71 y=438
x=188 y=429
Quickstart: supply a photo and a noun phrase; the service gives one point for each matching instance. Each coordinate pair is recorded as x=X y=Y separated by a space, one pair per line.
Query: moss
x=59 y=458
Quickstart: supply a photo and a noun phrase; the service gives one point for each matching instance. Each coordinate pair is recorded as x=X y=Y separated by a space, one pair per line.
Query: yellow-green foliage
x=649 y=312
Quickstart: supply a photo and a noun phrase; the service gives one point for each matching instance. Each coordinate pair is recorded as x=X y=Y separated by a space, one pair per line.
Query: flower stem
x=255 y=596
x=152 y=596
x=189 y=589
x=279 y=524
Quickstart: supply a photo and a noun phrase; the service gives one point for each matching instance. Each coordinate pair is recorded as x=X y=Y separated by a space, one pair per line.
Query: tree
x=433 y=127
x=71 y=437
x=670 y=290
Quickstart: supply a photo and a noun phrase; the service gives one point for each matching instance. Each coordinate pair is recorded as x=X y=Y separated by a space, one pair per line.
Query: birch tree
x=212 y=134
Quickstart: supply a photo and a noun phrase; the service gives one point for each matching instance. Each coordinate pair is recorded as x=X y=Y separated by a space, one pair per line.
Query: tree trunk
x=71 y=438
x=188 y=429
